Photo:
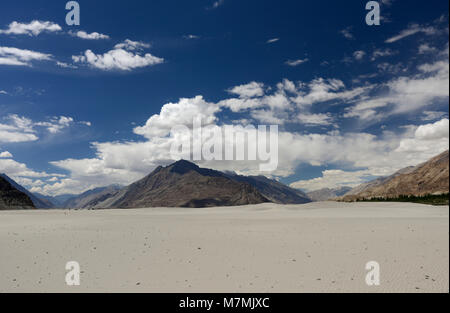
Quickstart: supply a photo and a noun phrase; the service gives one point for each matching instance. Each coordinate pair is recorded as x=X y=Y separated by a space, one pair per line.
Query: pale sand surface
x=319 y=247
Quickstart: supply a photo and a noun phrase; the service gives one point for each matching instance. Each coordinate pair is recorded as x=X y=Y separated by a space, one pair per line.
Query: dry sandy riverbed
x=319 y=247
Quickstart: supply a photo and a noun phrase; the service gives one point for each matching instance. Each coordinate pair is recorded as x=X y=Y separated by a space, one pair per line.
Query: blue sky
x=352 y=101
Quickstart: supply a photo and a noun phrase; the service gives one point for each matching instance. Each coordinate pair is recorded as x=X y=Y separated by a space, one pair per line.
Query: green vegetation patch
x=426 y=199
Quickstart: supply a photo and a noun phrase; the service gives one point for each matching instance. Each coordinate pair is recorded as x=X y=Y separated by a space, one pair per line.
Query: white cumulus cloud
x=33 y=28
x=132 y=45
x=5 y=155
x=123 y=57
x=250 y=90
x=90 y=36
x=21 y=57
x=15 y=128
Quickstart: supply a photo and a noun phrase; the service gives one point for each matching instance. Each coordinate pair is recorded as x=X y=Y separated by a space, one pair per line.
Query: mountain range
x=13 y=199
x=184 y=184
x=38 y=202
x=273 y=190
x=90 y=198
x=431 y=177
x=328 y=193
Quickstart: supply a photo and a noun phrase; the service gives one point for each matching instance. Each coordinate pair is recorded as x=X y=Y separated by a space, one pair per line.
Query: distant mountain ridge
x=184 y=184
x=273 y=190
x=431 y=177
x=11 y=198
x=327 y=193
x=39 y=203
x=90 y=198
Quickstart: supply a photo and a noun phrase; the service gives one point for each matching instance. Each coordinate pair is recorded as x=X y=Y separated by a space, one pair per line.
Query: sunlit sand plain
x=318 y=247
